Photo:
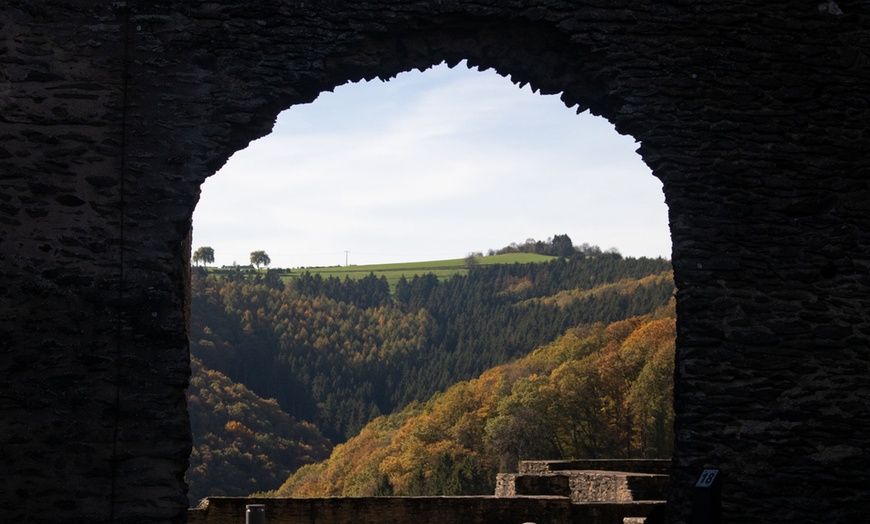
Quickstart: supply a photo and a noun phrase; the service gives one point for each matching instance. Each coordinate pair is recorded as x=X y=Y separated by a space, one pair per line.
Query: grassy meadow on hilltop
x=443 y=269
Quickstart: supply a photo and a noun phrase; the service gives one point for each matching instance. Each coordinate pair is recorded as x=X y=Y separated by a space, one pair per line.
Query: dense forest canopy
x=341 y=353
x=242 y=443
x=598 y=391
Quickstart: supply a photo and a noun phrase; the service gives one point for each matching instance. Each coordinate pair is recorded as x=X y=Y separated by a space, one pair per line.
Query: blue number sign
x=707 y=478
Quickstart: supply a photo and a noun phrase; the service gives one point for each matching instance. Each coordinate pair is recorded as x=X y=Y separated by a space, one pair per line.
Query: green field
x=443 y=269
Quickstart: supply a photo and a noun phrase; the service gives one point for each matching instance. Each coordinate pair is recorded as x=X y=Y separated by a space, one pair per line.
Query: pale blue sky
x=430 y=166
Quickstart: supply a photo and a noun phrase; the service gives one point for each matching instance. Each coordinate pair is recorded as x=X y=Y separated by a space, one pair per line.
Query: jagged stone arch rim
x=536 y=53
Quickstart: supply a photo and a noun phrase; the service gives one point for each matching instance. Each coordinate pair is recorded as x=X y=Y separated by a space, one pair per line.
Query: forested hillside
x=242 y=443
x=597 y=391
x=340 y=353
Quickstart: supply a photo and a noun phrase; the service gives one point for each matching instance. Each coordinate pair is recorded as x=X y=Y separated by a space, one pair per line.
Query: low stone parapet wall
x=656 y=466
x=585 y=486
x=420 y=510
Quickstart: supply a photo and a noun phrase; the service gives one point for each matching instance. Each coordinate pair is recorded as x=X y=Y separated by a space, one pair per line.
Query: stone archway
x=750 y=113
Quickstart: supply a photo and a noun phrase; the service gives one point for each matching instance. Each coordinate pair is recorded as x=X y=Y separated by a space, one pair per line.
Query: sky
x=429 y=166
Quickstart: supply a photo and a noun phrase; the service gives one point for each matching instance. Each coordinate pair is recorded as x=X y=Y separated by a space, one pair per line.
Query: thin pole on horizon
x=345 y=258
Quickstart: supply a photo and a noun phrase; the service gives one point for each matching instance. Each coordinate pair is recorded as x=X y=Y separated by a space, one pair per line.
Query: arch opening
x=486 y=89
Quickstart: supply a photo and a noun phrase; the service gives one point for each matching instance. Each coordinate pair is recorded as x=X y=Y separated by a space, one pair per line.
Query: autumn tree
x=241 y=442
x=339 y=353
x=203 y=254
x=598 y=391
x=260 y=258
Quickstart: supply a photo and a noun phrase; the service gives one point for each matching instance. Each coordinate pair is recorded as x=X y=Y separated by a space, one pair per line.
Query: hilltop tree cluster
x=557 y=246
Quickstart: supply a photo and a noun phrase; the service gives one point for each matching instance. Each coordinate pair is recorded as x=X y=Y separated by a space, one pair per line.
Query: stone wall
x=539 y=467
x=752 y=113
x=585 y=486
x=601 y=480
x=420 y=510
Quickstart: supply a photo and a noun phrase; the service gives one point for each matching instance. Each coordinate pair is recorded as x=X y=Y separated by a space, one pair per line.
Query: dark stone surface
x=752 y=113
x=423 y=510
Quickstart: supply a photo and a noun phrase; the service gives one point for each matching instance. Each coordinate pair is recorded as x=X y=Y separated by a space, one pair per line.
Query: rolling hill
x=339 y=353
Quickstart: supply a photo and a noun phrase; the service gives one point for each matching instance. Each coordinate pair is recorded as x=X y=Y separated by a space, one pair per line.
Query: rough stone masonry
x=754 y=114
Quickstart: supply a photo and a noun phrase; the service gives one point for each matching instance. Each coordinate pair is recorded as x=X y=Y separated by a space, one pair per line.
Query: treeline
x=340 y=353
x=242 y=443
x=598 y=391
x=556 y=246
